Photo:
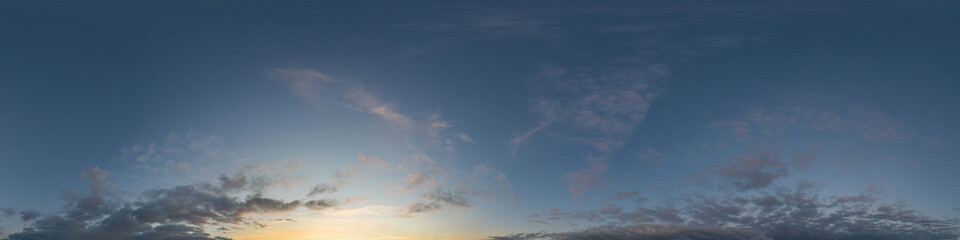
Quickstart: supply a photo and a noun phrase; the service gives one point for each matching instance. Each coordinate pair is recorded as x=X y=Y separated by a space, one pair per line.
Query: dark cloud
x=422 y=207
x=176 y=213
x=97 y=178
x=6 y=212
x=436 y=199
x=322 y=188
x=523 y=236
x=29 y=215
x=760 y=170
x=241 y=182
x=780 y=213
x=320 y=204
x=646 y=232
x=457 y=198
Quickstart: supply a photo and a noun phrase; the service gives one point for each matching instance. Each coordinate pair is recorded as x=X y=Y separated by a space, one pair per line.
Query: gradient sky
x=459 y=120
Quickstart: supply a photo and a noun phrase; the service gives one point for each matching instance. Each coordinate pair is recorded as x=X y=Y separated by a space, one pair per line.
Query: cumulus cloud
x=180 y=212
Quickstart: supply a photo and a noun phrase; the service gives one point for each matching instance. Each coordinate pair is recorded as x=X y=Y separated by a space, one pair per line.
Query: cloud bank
x=176 y=213
x=790 y=213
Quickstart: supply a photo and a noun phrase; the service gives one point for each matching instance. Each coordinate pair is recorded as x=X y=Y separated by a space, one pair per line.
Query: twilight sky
x=256 y=120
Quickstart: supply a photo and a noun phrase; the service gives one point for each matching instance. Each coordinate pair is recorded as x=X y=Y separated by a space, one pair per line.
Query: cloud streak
x=820 y=113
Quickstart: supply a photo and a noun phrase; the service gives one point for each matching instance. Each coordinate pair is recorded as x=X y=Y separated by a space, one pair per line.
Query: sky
x=493 y=120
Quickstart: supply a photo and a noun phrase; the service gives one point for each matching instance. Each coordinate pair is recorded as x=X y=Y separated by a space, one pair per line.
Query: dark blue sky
x=474 y=120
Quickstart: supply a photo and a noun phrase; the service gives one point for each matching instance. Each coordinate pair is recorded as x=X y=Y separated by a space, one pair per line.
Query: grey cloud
x=522 y=236
x=458 y=198
x=258 y=204
x=486 y=182
x=760 y=170
x=655 y=232
x=241 y=181
x=436 y=199
x=29 y=215
x=650 y=232
x=6 y=212
x=322 y=188
x=97 y=178
x=175 y=213
x=423 y=207
x=320 y=204
x=780 y=213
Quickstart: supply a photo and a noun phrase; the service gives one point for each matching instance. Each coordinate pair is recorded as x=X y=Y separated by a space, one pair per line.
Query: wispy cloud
x=176 y=152
x=820 y=113
x=519 y=140
x=424 y=173
x=418 y=131
x=304 y=83
x=364 y=162
x=345 y=176
x=486 y=182
x=589 y=177
x=600 y=105
x=597 y=106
